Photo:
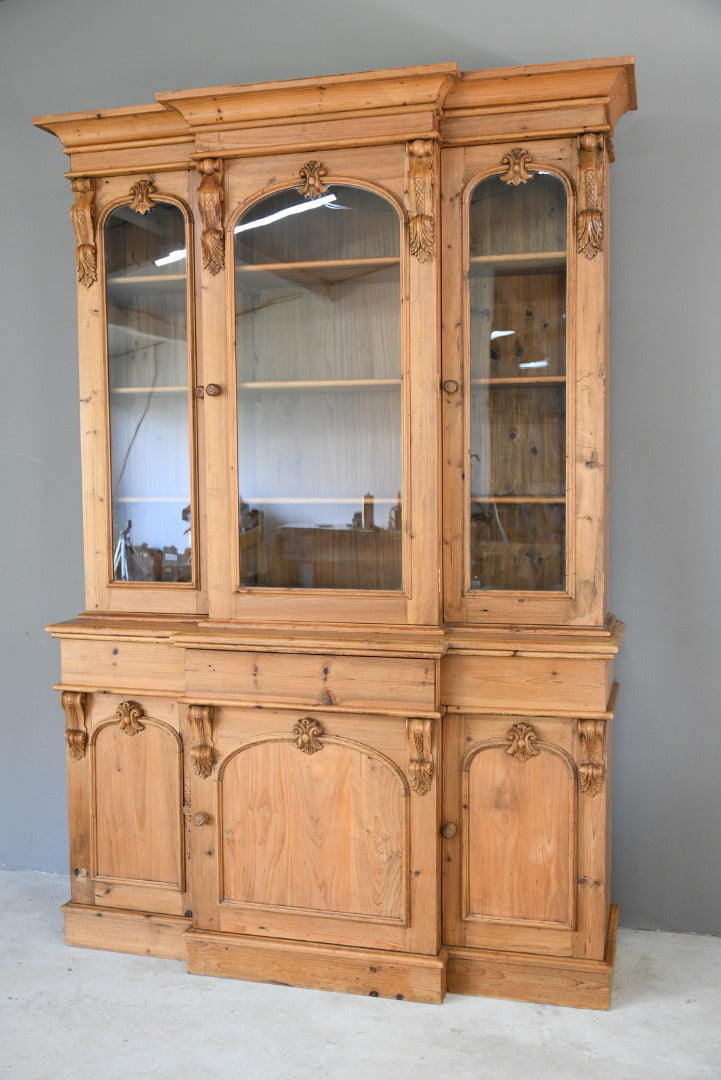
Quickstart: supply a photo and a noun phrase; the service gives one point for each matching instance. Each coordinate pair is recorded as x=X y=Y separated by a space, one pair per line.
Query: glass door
x=149 y=352
x=318 y=349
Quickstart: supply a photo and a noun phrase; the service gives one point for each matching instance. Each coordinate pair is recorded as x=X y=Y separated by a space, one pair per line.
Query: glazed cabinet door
x=525 y=384
x=137 y=382
x=326 y=456
x=315 y=826
x=126 y=800
x=526 y=827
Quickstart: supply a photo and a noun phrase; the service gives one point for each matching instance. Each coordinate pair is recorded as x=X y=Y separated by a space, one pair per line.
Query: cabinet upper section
x=433 y=101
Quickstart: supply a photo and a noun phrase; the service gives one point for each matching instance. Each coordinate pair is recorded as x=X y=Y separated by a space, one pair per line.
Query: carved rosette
x=142 y=196
x=516 y=162
x=200 y=718
x=592 y=771
x=419 y=184
x=76 y=735
x=589 y=222
x=128 y=715
x=420 y=755
x=82 y=215
x=312 y=175
x=522 y=738
x=307 y=732
x=210 y=201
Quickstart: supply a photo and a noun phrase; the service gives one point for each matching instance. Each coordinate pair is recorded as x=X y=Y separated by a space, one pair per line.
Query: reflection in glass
x=148 y=387
x=319 y=391
x=517 y=290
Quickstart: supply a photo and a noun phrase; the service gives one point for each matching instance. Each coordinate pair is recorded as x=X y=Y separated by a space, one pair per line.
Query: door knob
x=449 y=830
x=201 y=818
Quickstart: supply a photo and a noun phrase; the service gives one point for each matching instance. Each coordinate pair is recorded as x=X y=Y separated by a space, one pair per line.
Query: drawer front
x=539 y=683
x=123 y=665
x=391 y=683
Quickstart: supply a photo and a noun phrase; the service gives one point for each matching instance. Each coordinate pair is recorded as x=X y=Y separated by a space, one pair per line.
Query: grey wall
x=666 y=382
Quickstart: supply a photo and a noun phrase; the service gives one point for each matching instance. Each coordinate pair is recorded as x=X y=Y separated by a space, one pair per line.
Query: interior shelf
x=322 y=384
x=526 y=260
x=313 y=500
x=148 y=389
x=520 y=380
x=521 y=500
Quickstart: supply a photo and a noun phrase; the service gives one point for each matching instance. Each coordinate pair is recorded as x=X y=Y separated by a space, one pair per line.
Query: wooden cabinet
x=338 y=711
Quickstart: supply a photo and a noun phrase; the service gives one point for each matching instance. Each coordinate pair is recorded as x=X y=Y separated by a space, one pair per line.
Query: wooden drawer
x=114 y=664
x=391 y=683
x=539 y=683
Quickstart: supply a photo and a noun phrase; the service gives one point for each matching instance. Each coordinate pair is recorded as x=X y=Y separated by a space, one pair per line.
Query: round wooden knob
x=212 y=389
x=199 y=391
x=201 y=818
x=449 y=830
x=450 y=386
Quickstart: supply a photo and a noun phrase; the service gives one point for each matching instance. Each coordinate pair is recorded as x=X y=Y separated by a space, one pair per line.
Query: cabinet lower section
x=358 y=833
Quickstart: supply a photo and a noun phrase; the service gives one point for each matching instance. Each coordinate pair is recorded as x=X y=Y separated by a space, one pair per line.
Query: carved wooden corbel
x=522 y=738
x=82 y=215
x=142 y=192
x=589 y=222
x=202 y=752
x=128 y=714
x=419 y=735
x=76 y=735
x=210 y=200
x=592 y=771
x=307 y=732
x=516 y=162
x=312 y=175
x=419 y=183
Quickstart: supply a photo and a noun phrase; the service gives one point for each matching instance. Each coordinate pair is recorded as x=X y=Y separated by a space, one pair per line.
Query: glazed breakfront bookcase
x=338 y=713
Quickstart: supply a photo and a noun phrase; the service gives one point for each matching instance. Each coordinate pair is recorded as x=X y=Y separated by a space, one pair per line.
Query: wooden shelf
x=317 y=500
x=127 y=281
x=509 y=263
x=521 y=380
x=323 y=384
x=148 y=389
x=521 y=500
x=330 y=272
x=184 y=499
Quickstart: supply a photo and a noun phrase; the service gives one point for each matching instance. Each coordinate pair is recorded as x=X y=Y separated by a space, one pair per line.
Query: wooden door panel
x=518 y=837
x=317 y=832
x=136 y=807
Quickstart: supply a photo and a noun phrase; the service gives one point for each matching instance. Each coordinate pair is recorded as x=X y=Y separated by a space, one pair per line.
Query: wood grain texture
x=142 y=933
x=323 y=967
x=323 y=833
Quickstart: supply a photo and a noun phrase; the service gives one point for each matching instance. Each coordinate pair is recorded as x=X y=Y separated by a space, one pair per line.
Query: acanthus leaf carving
x=210 y=201
x=307 y=732
x=522 y=738
x=76 y=735
x=419 y=181
x=420 y=755
x=82 y=215
x=142 y=193
x=589 y=221
x=592 y=771
x=312 y=175
x=202 y=752
x=516 y=162
x=128 y=715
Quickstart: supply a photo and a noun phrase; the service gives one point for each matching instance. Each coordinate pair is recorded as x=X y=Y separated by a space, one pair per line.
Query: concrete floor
x=67 y=1014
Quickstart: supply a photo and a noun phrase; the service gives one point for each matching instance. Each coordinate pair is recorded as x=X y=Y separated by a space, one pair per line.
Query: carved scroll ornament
x=516 y=161
x=522 y=738
x=420 y=199
x=307 y=732
x=76 y=735
x=142 y=196
x=210 y=201
x=589 y=223
x=82 y=215
x=128 y=715
x=420 y=755
x=312 y=175
x=202 y=751
x=592 y=771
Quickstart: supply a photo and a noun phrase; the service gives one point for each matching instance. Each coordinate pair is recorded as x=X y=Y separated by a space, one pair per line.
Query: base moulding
x=376 y=973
